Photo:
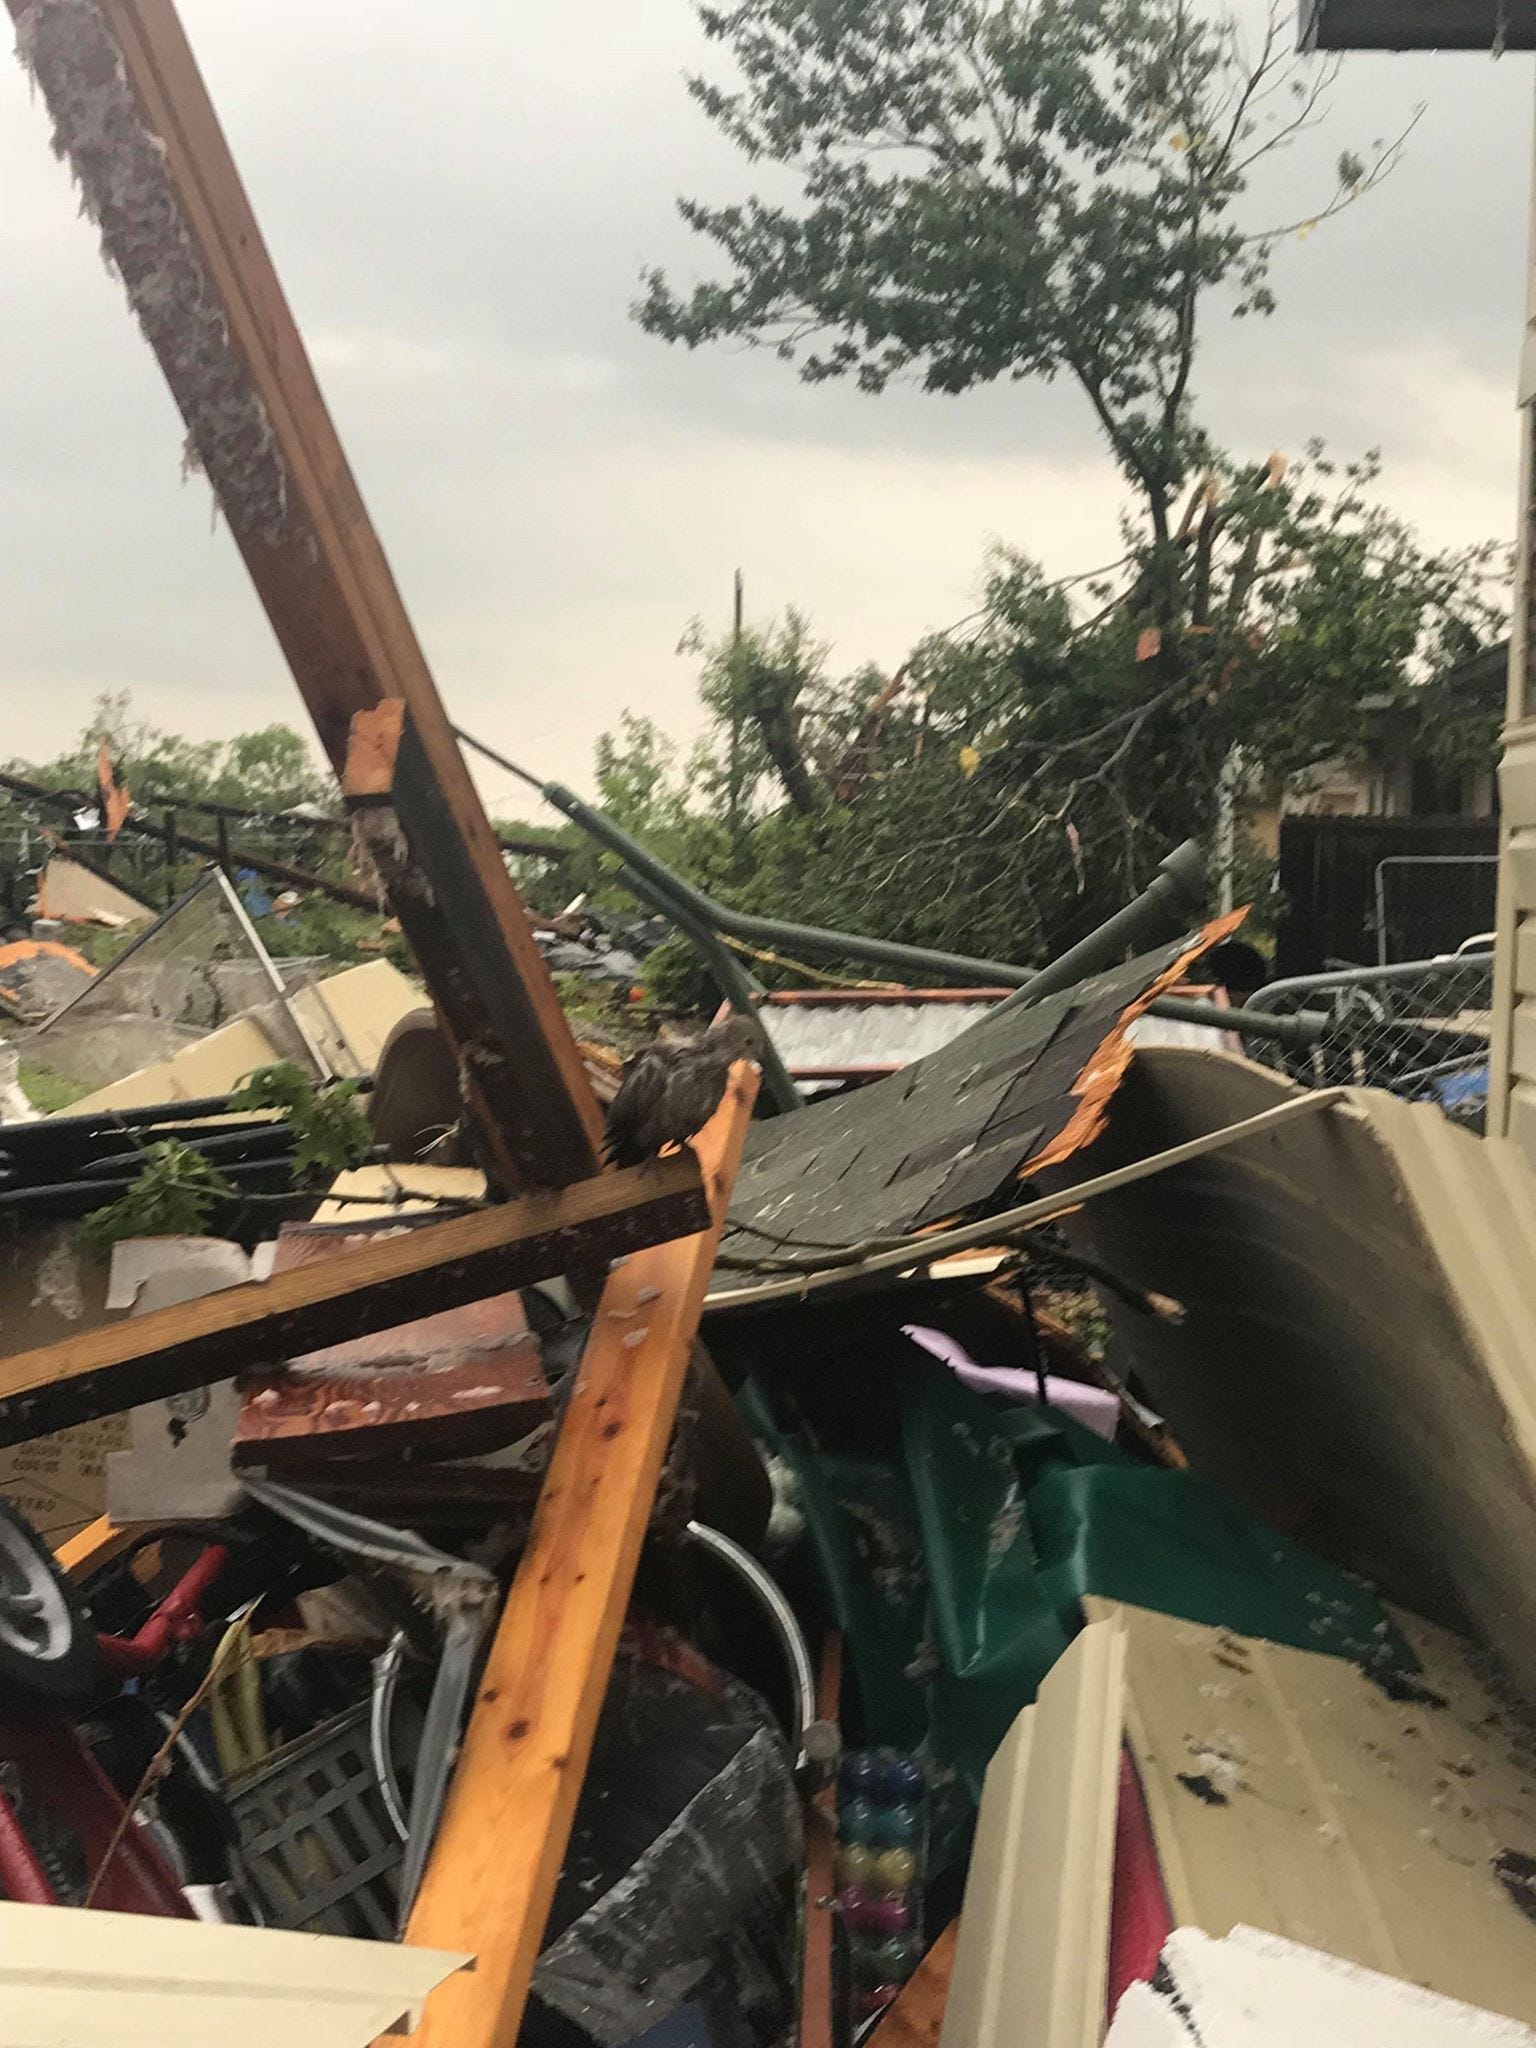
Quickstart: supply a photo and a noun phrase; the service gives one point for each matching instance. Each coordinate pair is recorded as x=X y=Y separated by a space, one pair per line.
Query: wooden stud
x=406 y=830
x=817 y=2028
x=133 y=116
x=498 y=1854
x=420 y=1272
x=917 y=2016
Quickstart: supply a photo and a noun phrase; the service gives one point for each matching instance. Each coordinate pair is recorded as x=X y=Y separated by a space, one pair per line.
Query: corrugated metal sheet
x=858 y=1036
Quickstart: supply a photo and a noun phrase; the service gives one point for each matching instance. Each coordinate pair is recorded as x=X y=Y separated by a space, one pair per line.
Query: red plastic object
x=22 y=1877
x=178 y=1619
x=65 y=1788
x=1139 y=1920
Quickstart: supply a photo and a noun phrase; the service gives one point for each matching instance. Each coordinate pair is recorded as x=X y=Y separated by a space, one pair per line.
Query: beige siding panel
x=1522 y=1118
x=1289 y=1792
x=1357 y=1354
x=1522 y=1043
x=1517 y=782
x=1032 y=1958
x=127 y=1980
x=351 y=1014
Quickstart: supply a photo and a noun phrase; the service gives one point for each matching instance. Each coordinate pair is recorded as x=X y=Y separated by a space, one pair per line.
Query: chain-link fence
x=1418 y=1028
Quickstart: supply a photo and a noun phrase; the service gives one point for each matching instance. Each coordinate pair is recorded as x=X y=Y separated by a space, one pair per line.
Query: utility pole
x=733 y=800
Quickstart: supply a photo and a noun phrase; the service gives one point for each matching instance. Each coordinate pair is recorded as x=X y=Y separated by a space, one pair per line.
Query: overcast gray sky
x=460 y=197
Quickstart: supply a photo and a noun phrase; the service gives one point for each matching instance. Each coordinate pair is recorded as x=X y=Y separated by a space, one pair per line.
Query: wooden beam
x=426 y=1269
x=818 y=2028
x=133 y=117
x=917 y=2017
x=503 y=1838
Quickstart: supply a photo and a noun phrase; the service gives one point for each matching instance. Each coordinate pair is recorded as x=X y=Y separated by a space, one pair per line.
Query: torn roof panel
x=1020 y=1091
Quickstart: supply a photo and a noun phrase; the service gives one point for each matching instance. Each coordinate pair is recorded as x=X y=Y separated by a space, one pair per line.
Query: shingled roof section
x=1020 y=1091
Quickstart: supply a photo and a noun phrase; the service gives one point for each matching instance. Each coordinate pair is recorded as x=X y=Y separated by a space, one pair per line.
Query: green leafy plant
x=330 y=1131
x=177 y=1188
x=173 y=1196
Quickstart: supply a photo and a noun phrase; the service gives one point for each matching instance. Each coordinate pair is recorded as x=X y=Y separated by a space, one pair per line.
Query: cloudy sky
x=460 y=197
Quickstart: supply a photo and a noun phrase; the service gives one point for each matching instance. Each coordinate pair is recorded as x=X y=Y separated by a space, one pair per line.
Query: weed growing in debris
x=174 y=1196
x=177 y=1188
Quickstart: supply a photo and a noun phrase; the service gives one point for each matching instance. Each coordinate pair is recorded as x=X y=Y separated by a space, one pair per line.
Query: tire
x=48 y=1653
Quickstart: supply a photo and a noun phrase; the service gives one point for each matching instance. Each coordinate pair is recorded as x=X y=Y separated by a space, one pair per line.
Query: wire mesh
x=1419 y=1029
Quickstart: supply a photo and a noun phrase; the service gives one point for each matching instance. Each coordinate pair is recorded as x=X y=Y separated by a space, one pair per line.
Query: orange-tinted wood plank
x=498 y=1855
x=916 y=2017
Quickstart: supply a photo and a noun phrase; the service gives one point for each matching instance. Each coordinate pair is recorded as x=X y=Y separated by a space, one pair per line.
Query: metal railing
x=1419 y=1028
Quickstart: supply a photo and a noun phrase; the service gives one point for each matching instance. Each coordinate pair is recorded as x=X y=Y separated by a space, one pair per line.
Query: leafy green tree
x=990 y=189
x=272 y=769
x=967 y=191
x=1017 y=780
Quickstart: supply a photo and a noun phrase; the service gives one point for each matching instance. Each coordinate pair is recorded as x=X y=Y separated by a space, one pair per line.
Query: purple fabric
x=1095 y=1408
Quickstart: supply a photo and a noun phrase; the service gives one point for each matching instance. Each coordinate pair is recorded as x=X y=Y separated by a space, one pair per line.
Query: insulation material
x=120 y=168
x=1388 y=1821
x=1252 y=1990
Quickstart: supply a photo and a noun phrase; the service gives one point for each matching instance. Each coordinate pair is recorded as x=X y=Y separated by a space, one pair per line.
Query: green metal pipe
x=738 y=987
x=772 y=931
x=1300 y=1030
x=1164 y=908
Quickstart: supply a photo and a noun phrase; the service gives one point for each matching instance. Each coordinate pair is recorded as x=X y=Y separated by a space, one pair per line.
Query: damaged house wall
x=1354 y=1363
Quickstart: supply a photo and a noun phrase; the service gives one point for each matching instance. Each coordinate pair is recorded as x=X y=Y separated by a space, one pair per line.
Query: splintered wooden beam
x=415 y=1273
x=133 y=117
x=405 y=830
x=492 y=1873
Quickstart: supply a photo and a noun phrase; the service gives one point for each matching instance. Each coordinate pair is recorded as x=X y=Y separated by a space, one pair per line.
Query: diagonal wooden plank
x=498 y=1854
x=416 y=1273
x=132 y=115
